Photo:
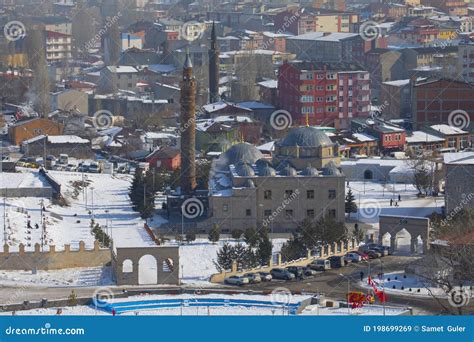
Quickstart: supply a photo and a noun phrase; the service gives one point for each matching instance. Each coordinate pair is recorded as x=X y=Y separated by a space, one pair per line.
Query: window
x=267 y=213
x=288 y=193
x=310 y=213
x=331 y=194
x=320 y=76
x=289 y=213
x=225 y=207
x=248 y=212
x=332 y=213
x=310 y=194
x=267 y=194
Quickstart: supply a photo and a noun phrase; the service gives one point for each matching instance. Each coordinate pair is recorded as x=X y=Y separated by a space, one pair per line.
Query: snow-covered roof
x=465 y=158
x=122 y=69
x=159 y=135
x=422 y=137
x=448 y=130
x=269 y=84
x=217 y=106
x=66 y=139
x=363 y=137
x=269 y=146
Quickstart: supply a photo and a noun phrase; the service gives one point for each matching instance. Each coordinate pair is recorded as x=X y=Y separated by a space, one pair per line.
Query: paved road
x=335 y=285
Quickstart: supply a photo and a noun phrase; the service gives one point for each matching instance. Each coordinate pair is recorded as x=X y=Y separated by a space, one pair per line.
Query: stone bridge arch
x=415 y=226
x=126 y=264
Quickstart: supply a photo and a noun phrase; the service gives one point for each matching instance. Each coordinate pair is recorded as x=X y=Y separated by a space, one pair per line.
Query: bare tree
x=449 y=263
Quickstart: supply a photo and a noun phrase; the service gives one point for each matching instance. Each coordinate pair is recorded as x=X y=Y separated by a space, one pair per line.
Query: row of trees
x=142 y=193
x=310 y=235
x=256 y=251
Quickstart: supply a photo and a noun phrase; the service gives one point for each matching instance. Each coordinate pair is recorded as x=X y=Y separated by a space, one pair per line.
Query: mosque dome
x=306 y=137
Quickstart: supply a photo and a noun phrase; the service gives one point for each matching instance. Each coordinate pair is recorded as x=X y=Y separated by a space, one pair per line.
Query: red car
x=363 y=255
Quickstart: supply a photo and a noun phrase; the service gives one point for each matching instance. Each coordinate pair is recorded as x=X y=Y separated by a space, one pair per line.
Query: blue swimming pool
x=122 y=307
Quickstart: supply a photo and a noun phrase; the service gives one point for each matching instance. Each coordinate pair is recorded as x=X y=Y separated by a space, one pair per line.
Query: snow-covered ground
x=83 y=276
x=418 y=286
x=105 y=198
x=373 y=200
x=198 y=259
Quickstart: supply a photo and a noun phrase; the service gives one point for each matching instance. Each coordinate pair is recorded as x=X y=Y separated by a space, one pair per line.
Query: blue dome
x=306 y=137
x=242 y=152
x=244 y=170
x=331 y=170
x=288 y=171
x=249 y=183
x=267 y=171
x=310 y=171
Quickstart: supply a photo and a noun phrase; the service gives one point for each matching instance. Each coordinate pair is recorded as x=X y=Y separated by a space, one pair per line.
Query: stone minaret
x=188 y=128
x=213 y=67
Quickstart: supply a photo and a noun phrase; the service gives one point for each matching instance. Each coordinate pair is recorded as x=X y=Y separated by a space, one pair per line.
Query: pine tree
x=350 y=205
x=237 y=234
x=190 y=236
x=214 y=234
x=251 y=237
x=264 y=248
x=224 y=257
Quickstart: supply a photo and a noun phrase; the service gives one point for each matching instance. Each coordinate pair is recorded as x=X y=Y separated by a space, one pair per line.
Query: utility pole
x=5 y=219
x=92 y=204
x=383 y=287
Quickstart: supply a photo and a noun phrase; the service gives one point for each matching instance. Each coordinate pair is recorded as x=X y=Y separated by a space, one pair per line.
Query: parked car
x=336 y=261
x=236 y=280
x=309 y=272
x=353 y=257
x=280 y=273
x=373 y=254
x=383 y=252
x=320 y=265
x=253 y=277
x=265 y=276
x=363 y=255
x=297 y=271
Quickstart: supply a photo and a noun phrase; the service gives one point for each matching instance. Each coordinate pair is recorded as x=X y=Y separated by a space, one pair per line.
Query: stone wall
x=52 y=260
x=337 y=248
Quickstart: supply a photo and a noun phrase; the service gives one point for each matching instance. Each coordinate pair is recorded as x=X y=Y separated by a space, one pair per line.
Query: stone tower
x=188 y=128
x=213 y=67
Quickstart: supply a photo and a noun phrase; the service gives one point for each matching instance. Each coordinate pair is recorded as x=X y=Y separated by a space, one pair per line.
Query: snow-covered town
x=177 y=158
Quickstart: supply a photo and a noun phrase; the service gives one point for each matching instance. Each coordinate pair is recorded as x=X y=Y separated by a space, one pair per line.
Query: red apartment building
x=328 y=94
x=435 y=100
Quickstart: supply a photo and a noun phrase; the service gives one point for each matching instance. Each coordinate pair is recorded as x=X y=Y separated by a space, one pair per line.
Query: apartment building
x=58 y=46
x=325 y=94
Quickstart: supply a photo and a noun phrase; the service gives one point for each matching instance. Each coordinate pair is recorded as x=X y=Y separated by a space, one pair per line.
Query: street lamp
x=92 y=191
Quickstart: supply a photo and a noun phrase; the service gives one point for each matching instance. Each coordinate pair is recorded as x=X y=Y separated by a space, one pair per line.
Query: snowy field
x=81 y=276
x=105 y=198
x=373 y=200
x=198 y=258
x=419 y=287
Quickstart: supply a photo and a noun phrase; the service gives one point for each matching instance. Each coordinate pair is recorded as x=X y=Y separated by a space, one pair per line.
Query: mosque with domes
x=301 y=180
